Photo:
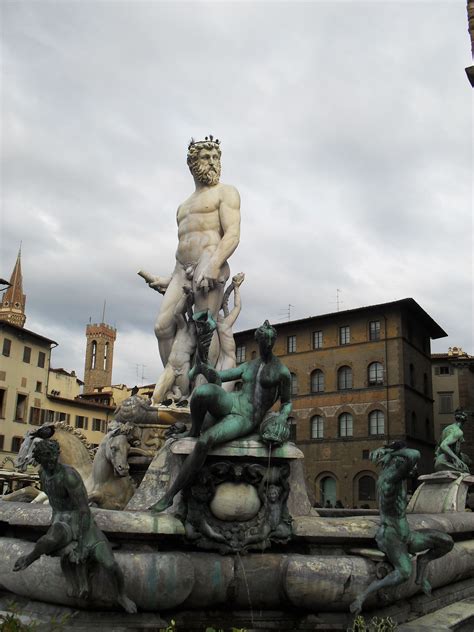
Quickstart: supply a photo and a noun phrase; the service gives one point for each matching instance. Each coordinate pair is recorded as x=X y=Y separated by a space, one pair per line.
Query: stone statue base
x=441 y=492
x=244 y=497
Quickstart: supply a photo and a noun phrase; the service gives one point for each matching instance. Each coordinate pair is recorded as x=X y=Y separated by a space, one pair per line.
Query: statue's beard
x=205 y=174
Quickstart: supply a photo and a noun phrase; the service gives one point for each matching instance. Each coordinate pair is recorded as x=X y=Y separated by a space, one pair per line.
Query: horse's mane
x=63 y=425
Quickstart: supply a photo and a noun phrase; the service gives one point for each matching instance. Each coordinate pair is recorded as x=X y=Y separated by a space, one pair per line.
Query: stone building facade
x=453 y=387
x=32 y=393
x=360 y=378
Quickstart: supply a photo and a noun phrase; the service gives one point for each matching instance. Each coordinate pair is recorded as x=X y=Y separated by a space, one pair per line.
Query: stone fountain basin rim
x=249 y=446
x=309 y=528
x=108 y=520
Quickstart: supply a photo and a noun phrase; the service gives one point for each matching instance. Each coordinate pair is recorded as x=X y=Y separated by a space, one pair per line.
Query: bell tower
x=12 y=307
x=99 y=356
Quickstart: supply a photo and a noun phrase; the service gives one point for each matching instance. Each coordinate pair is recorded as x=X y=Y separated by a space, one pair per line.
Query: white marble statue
x=222 y=351
x=208 y=233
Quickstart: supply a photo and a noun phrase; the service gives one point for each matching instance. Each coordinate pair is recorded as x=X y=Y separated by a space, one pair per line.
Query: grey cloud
x=345 y=127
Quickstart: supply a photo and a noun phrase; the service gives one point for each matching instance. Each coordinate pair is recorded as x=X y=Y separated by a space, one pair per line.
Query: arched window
x=327 y=489
x=106 y=354
x=344 y=378
x=376 y=373
x=317 y=381
x=367 y=488
x=93 y=354
x=317 y=427
x=345 y=425
x=376 y=422
x=294 y=384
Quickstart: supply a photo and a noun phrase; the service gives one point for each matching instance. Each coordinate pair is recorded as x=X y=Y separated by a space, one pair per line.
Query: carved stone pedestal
x=244 y=497
x=441 y=492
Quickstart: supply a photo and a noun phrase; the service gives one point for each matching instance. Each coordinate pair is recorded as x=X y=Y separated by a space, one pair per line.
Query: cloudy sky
x=346 y=127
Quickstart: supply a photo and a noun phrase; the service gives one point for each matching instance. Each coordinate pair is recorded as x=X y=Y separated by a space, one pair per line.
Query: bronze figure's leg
x=207 y=400
x=437 y=543
x=397 y=553
x=55 y=538
x=104 y=556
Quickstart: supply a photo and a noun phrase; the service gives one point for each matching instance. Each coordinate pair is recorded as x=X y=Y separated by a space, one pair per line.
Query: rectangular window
x=365 y=455
x=41 y=359
x=445 y=370
x=7 y=346
x=240 y=354
x=374 y=330
x=20 y=408
x=16 y=443
x=81 y=422
x=344 y=335
x=317 y=339
x=62 y=417
x=27 y=354
x=96 y=424
x=3 y=399
x=292 y=436
x=35 y=416
x=445 y=402
x=2 y=441
x=294 y=384
x=291 y=344
x=47 y=416
x=39 y=387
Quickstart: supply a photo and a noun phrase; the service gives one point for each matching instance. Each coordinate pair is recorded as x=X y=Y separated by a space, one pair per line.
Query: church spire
x=12 y=308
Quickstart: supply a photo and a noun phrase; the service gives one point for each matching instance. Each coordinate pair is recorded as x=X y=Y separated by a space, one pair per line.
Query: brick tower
x=12 y=308
x=99 y=356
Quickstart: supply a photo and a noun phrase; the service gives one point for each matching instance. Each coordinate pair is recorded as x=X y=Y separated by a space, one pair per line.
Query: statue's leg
x=208 y=399
x=230 y=427
x=437 y=543
x=105 y=558
x=54 y=539
x=76 y=576
x=165 y=326
x=68 y=569
x=397 y=553
x=163 y=385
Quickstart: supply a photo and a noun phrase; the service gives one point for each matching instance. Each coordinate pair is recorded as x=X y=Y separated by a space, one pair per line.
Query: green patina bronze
x=394 y=537
x=73 y=534
x=448 y=455
x=218 y=416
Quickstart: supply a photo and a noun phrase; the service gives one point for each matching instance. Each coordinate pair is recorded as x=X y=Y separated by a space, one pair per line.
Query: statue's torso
x=199 y=226
x=260 y=389
x=57 y=491
x=393 y=503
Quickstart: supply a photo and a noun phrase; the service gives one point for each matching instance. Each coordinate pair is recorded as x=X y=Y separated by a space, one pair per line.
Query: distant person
x=339 y=504
x=328 y=505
